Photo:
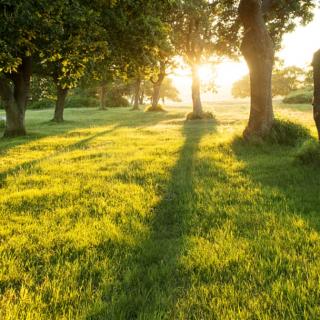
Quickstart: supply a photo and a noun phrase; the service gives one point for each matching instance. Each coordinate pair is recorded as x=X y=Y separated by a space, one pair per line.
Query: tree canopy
x=123 y=39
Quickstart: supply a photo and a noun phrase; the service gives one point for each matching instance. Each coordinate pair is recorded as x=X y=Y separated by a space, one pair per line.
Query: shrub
x=79 y=101
x=309 y=153
x=41 y=104
x=159 y=108
x=299 y=96
x=203 y=116
x=116 y=101
x=285 y=132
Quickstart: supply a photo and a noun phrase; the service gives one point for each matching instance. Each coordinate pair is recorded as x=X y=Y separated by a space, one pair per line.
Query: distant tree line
x=285 y=81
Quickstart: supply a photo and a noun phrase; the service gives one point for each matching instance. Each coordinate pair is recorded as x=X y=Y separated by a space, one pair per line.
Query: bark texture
x=316 y=99
x=103 y=94
x=258 y=50
x=60 y=103
x=14 y=90
x=137 y=89
x=157 y=88
x=196 y=92
x=141 y=100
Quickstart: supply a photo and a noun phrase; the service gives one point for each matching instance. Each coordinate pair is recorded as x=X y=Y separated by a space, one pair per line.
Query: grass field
x=123 y=215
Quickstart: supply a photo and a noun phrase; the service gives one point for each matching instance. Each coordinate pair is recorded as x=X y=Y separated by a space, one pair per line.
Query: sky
x=297 y=49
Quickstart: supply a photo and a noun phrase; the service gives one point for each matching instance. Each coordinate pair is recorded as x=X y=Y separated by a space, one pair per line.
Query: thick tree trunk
x=103 y=94
x=137 y=94
x=196 y=92
x=258 y=49
x=61 y=99
x=316 y=99
x=14 y=90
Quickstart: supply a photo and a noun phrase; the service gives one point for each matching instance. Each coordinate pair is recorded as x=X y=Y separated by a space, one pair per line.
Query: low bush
x=159 y=108
x=41 y=104
x=115 y=101
x=203 y=116
x=299 y=96
x=309 y=153
x=79 y=101
x=289 y=133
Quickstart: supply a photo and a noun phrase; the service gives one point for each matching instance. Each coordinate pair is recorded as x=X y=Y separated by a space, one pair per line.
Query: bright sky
x=298 y=49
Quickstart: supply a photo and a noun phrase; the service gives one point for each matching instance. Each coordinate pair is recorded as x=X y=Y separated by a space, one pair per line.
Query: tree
x=316 y=100
x=203 y=29
x=32 y=32
x=20 y=34
x=284 y=81
x=79 y=40
x=264 y=24
x=241 y=88
x=169 y=91
x=135 y=55
x=157 y=85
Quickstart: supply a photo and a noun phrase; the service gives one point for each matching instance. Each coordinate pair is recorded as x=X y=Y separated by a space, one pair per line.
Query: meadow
x=132 y=215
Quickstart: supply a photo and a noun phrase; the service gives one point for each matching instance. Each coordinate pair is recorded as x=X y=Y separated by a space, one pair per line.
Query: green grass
x=130 y=215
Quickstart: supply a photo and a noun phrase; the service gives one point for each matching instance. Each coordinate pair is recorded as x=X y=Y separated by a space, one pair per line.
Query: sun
x=218 y=76
x=206 y=74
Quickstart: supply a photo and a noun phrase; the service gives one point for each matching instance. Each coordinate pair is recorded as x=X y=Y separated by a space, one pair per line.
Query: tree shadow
x=150 y=281
x=69 y=148
x=276 y=171
x=120 y=118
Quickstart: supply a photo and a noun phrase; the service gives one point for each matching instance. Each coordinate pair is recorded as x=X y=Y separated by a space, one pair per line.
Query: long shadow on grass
x=119 y=118
x=123 y=120
x=274 y=168
x=150 y=282
x=69 y=148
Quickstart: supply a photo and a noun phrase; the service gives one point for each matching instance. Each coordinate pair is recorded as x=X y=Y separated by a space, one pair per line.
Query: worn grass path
x=123 y=215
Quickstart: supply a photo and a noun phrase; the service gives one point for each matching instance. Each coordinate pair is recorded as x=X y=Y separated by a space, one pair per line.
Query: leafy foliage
x=41 y=104
x=287 y=133
x=167 y=91
x=81 y=101
x=283 y=16
x=284 y=80
x=309 y=153
x=299 y=96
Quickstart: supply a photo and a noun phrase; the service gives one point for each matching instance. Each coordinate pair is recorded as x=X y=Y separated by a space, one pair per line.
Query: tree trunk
x=196 y=95
x=316 y=99
x=60 y=102
x=141 y=97
x=156 y=91
x=258 y=50
x=137 y=94
x=14 y=90
x=103 y=93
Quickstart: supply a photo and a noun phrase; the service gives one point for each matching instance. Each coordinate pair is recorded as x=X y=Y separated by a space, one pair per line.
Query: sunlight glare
x=206 y=74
